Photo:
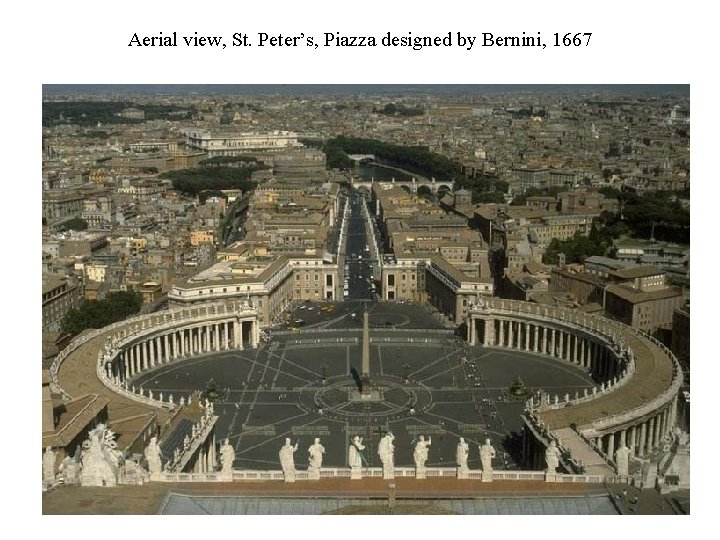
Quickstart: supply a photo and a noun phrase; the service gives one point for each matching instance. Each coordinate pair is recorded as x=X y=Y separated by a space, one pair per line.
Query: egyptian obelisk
x=365 y=388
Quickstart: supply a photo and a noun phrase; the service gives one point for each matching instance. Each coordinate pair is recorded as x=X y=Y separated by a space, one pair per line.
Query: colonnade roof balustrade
x=653 y=384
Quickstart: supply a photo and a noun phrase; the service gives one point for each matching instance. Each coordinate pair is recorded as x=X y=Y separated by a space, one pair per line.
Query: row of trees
x=89 y=113
x=193 y=181
x=115 y=307
x=659 y=213
x=391 y=109
x=418 y=159
x=84 y=113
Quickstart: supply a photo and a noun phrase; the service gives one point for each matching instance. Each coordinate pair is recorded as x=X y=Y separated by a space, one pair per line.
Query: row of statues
x=386 y=452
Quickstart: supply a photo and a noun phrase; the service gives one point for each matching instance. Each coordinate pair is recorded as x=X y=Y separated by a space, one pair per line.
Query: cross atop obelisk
x=366 y=353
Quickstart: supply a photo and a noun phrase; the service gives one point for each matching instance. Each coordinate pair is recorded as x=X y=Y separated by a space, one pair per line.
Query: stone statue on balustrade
x=461 y=457
x=487 y=453
x=227 y=457
x=48 y=466
x=420 y=455
x=355 y=455
x=100 y=458
x=287 y=460
x=386 y=451
x=622 y=460
x=552 y=457
x=153 y=456
x=315 y=453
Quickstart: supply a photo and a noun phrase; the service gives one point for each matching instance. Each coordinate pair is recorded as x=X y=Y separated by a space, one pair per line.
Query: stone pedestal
x=551 y=477
x=313 y=474
x=388 y=473
x=487 y=476
x=420 y=474
x=290 y=477
x=463 y=474
x=355 y=473
x=226 y=476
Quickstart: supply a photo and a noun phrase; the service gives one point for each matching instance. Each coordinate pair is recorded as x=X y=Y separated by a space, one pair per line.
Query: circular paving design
x=339 y=399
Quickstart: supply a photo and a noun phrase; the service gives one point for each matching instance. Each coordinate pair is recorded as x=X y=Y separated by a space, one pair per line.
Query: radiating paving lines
x=443 y=357
x=315 y=374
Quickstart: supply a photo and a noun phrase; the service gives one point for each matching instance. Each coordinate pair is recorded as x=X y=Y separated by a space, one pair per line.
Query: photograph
x=364 y=299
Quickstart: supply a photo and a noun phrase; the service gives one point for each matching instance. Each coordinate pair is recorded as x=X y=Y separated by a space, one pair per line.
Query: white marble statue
x=487 y=453
x=461 y=454
x=420 y=454
x=386 y=451
x=153 y=455
x=100 y=458
x=227 y=456
x=622 y=460
x=48 y=465
x=287 y=460
x=552 y=457
x=316 y=452
x=355 y=452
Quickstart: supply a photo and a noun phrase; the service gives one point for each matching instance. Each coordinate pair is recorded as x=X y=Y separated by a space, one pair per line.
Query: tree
x=116 y=306
x=75 y=224
x=576 y=249
x=192 y=181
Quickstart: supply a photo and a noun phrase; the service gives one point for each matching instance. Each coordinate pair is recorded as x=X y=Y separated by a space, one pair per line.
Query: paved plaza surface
x=301 y=385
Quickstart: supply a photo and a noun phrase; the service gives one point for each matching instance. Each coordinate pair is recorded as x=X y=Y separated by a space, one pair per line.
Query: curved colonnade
x=634 y=404
x=142 y=343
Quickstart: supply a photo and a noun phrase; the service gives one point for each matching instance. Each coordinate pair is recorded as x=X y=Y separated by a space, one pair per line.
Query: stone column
x=650 y=435
x=623 y=437
x=536 y=346
x=643 y=439
x=145 y=355
x=611 y=446
x=181 y=336
x=216 y=335
x=166 y=351
x=151 y=346
x=502 y=333
x=256 y=333
x=632 y=439
x=241 y=336
x=576 y=356
x=552 y=342
x=126 y=362
x=137 y=367
x=510 y=335
x=527 y=336
x=236 y=334
x=658 y=429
